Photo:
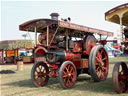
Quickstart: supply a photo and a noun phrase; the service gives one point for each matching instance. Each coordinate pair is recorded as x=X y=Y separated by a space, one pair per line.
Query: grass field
x=19 y=84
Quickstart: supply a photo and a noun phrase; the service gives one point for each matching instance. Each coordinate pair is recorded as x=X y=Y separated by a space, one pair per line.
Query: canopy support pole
x=2 y=56
x=35 y=36
x=100 y=37
x=47 y=35
x=54 y=35
x=121 y=27
x=14 y=56
x=67 y=40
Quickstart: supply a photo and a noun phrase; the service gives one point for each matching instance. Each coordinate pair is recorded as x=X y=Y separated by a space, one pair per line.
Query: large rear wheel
x=99 y=63
x=90 y=60
x=67 y=74
x=40 y=74
x=120 y=77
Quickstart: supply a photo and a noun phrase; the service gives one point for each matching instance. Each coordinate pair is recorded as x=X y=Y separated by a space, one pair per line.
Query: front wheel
x=67 y=74
x=40 y=74
x=120 y=77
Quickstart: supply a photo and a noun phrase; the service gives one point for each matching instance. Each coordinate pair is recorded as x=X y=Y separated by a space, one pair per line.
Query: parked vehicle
x=118 y=53
x=61 y=54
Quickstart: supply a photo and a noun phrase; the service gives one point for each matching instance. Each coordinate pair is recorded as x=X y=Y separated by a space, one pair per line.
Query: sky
x=87 y=13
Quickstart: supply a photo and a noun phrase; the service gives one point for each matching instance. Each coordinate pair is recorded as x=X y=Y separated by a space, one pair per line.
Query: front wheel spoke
x=36 y=70
x=38 y=74
x=43 y=79
x=38 y=77
x=43 y=71
x=121 y=71
x=39 y=68
x=45 y=74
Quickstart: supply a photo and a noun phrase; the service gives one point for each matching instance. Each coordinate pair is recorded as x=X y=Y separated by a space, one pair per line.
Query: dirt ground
x=20 y=84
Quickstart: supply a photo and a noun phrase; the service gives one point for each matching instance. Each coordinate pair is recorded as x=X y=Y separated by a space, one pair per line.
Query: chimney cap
x=54 y=14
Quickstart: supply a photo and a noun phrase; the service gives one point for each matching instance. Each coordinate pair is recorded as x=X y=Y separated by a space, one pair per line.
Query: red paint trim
x=36 y=50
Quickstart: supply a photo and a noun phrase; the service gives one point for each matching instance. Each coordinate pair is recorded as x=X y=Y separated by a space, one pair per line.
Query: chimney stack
x=54 y=16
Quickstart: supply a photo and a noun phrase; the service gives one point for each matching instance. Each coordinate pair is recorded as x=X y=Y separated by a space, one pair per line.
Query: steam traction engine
x=65 y=51
x=119 y=15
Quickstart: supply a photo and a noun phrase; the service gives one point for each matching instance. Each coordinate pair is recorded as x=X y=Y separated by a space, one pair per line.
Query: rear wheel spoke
x=102 y=52
x=98 y=59
x=97 y=69
x=104 y=69
x=104 y=59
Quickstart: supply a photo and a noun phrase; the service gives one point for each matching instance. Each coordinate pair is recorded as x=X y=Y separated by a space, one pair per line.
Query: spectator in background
x=22 y=54
x=28 y=53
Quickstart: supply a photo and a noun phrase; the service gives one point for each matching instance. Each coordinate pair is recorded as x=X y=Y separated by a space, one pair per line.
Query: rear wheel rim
x=101 y=64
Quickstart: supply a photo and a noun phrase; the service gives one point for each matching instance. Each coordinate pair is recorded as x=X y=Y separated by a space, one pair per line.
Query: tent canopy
x=118 y=15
